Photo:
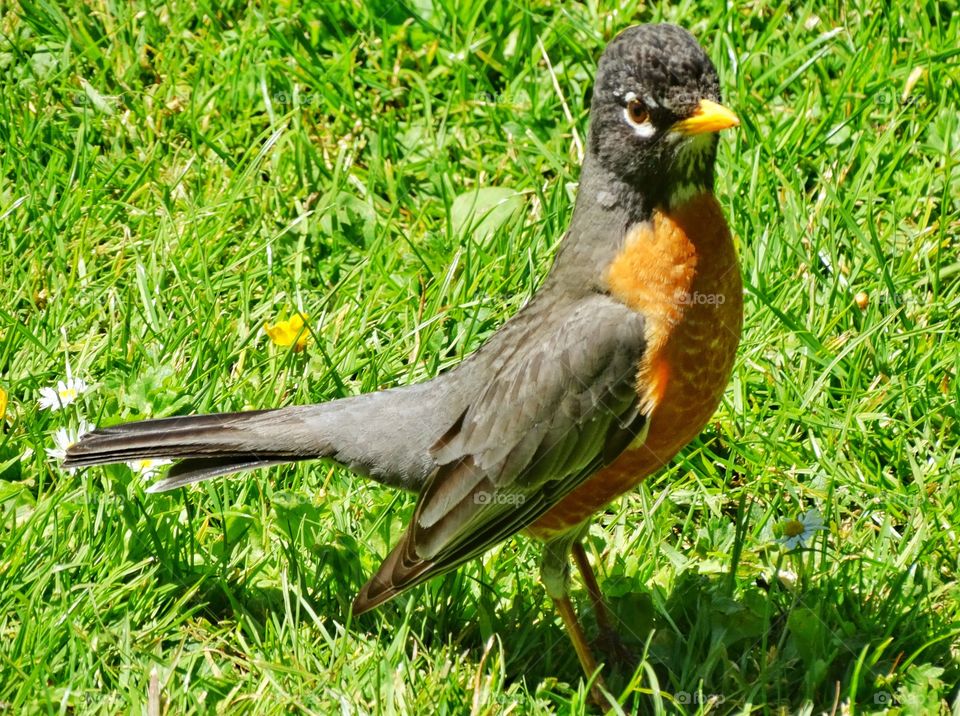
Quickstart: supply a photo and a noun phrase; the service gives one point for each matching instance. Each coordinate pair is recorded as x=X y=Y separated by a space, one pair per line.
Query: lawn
x=173 y=179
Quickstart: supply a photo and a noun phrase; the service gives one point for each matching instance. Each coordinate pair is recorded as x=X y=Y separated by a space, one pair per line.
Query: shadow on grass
x=857 y=631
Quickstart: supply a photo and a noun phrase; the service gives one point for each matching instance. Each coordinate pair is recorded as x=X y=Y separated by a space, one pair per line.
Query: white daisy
x=65 y=392
x=64 y=438
x=795 y=533
x=147 y=468
x=788 y=578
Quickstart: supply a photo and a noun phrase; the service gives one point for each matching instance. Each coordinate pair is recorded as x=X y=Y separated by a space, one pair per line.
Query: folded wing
x=558 y=403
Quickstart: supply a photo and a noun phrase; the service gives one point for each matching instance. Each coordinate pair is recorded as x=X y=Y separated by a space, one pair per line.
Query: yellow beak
x=707 y=117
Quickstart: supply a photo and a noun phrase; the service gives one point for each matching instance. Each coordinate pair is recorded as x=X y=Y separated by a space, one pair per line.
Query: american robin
x=610 y=369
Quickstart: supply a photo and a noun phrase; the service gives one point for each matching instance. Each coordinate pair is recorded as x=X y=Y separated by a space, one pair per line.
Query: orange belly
x=679 y=270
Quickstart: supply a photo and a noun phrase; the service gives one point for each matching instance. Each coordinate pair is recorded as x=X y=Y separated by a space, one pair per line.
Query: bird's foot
x=616 y=654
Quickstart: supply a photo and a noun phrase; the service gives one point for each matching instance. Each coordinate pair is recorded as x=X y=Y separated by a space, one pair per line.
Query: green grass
x=172 y=179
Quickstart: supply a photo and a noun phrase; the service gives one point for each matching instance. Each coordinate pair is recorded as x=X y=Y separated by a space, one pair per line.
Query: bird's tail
x=206 y=445
x=385 y=435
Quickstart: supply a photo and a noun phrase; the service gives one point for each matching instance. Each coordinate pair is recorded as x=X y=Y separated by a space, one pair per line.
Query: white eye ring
x=643 y=128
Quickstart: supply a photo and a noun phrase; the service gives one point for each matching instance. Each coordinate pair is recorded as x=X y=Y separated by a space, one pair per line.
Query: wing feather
x=558 y=403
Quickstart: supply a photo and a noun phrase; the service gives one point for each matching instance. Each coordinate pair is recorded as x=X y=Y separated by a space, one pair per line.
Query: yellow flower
x=3 y=404
x=289 y=332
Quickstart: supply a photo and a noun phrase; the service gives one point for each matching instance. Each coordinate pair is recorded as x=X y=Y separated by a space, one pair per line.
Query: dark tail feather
x=193 y=470
x=207 y=445
x=385 y=435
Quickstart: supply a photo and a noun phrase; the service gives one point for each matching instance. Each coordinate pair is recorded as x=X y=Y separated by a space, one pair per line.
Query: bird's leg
x=604 y=618
x=555 y=575
x=581 y=646
x=609 y=640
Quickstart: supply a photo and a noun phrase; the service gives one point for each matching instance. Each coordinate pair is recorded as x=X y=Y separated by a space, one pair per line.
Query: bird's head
x=655 y=113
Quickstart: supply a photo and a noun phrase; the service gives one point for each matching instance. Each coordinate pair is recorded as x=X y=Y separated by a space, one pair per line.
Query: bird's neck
x=603 y=193
x=606 y=208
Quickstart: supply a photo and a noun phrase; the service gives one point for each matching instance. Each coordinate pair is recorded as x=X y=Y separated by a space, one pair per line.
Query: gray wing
x=559 y=401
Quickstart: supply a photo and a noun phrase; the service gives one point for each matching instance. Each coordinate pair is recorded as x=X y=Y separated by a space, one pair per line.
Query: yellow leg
x=579 y=639
x=604 y=619
x=609 y=642
x=555 y=574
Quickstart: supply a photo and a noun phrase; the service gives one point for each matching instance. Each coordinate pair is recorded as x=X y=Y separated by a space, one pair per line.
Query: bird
x=616 y=363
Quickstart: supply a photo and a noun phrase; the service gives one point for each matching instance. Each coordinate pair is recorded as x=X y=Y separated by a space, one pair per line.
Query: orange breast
x=679 y=270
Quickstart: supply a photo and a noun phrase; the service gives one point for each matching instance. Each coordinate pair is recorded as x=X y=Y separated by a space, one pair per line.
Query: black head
x=655 y=113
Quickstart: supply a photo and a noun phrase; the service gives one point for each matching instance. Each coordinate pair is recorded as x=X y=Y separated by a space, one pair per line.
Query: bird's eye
x=637 y=112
